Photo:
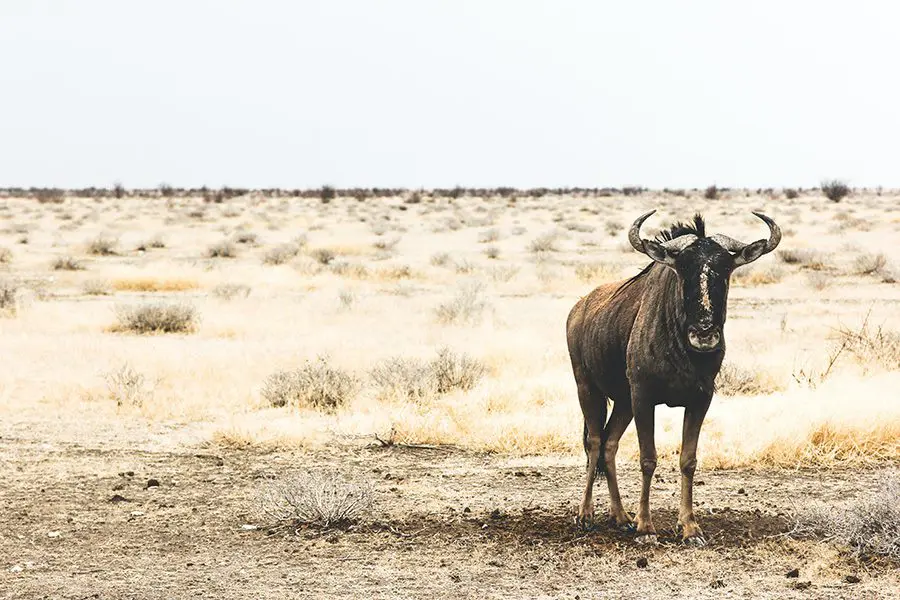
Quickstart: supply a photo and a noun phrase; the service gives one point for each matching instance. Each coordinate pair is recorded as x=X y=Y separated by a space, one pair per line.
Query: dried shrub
x=6 y=255
x=872 y=345
x=613 y=228
x=440 y=259
x=324 y=256
x=125 y=386
x=157 y=317
x=818 y=280
x=316 y=384
x=103 y=245
x=870 y=264
x=544 y=243
x=503 y=274
x=735 y=380
x=152 y=284
x=596 y=272
x=67 y=263
x=230 y=291
x=868 y=525
x=492 y=252
x=711 y=193
x=791 y=194
x=808 y=259
x=466 y=306
x=223 y=249
x=8 y=293
x=404 y=378
x=96 y=287
x=488 y=236
x=247 y=238
x=318 y=498
x=453 y=371
x=347 y=298
x=757 y=275
x=386 y=244
x=281 y=254
x=835 y=190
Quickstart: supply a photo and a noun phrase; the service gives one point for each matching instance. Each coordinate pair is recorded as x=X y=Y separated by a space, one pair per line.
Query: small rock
x=495 y=563
x=717 y=584
x=249 y=527
x=851 y=579
x=16 y=569
x=129 y=473
x=802 y=585
x=742 y=491
x=519 y=473
x=467 y=510
x=792 y=573
x=53 y=534
x=496 y=514
x=699 y=482
x=137 y=513
x=151 y=483
x=118 y=498
x=642 y=562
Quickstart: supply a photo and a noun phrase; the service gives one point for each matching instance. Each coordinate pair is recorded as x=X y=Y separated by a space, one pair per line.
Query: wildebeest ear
x=750 y=252
x=660 y=253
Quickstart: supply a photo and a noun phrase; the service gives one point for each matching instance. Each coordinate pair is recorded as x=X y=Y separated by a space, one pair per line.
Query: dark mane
x=696 y=227
x=677 y=229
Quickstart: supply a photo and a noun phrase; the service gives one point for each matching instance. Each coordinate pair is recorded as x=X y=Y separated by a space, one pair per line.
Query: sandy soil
x=81 y=522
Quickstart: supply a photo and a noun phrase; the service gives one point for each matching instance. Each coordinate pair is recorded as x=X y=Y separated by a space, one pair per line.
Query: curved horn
x=634 y=234
x=774 y=232
x=681 y=242
x=732 y=245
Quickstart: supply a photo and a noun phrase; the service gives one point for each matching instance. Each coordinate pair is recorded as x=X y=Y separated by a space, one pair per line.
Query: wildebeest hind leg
x=593 y=406
x=618 y=421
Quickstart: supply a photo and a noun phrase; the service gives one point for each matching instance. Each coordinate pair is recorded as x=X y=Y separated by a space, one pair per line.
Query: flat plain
x=134 y=462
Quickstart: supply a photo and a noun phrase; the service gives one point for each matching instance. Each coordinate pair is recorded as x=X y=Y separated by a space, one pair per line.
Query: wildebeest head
x=704 y=265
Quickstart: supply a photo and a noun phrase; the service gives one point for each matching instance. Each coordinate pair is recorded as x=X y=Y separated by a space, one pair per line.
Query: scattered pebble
x=16 y=569
x=496 y=514
x=249 y=527
x=151 y=483
x=717 y=584
x=792 y=573
x=851 y=579
x=118 y=498
x=53 y=534
x=642 y=562
x=137 y=513
x=742 y=491
x=802 y=585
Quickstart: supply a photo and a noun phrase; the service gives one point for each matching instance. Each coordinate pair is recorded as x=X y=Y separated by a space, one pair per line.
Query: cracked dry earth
x=79 y=521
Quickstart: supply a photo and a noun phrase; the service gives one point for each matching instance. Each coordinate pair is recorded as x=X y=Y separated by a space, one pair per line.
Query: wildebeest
x=653 y=339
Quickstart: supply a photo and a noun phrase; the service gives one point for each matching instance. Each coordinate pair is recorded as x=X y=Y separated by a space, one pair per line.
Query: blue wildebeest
x=655 y=339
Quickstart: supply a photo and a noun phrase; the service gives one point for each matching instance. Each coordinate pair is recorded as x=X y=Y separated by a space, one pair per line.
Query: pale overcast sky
x=439 y=93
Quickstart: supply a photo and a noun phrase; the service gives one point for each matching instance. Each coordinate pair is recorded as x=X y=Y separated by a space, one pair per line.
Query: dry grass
x=67 y=263
x=869 y=525
x=153 y=284
x=466 y=307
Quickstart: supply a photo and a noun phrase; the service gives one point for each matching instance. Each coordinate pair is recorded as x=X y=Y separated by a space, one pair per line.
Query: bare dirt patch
x=89 y=521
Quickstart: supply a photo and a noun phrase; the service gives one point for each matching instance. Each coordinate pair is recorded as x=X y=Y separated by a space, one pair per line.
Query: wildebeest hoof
x=626 y=527
x=696 y=541
x=585 y=522
x=647 y=539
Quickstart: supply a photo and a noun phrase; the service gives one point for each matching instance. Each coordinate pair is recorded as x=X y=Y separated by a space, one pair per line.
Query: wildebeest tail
x=601 y=463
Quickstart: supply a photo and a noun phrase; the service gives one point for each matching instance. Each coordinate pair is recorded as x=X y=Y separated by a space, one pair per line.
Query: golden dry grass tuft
x=153 y=284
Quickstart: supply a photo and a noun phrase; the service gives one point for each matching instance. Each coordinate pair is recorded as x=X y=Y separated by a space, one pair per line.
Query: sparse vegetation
x=281 y=254
x=322 y=499
x=453 y=371
x=324 y=256
x=711 y=192
x=103 y=245
x=791 y=194
x=67 y=263
x=223 y=249
x=125 y=386
x=230 y=291
x=317 y=384
x=835 y=190
x=466 y=306
x=544 y=243
x=869 y=525
x=735 y=380
x=157 y=317
x=96 y=287
x=404 y=378
x=8 y=292
x=6 y=256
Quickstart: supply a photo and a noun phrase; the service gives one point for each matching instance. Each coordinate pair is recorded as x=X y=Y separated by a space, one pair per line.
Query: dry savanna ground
x=173 y=369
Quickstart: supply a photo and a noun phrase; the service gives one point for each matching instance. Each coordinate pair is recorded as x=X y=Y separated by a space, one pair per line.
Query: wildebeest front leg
x=693 y=420
x=644 y=423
